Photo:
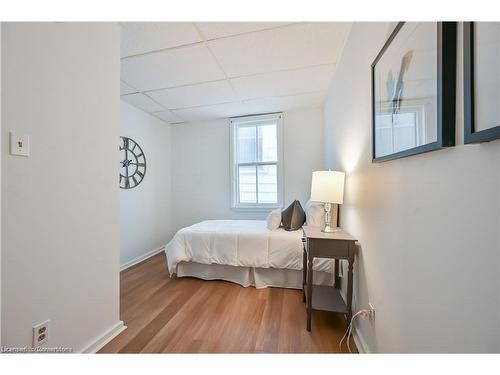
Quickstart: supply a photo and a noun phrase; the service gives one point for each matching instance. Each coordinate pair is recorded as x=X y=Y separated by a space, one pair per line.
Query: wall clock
x=133 y=164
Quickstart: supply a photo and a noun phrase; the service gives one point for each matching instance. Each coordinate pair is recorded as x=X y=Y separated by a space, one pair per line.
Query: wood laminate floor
x=188 y=315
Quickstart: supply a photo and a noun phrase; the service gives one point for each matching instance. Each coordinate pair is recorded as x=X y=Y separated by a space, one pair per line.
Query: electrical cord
x=348 y=332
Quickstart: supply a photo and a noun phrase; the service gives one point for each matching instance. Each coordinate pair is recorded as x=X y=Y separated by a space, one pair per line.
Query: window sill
x=255 y=209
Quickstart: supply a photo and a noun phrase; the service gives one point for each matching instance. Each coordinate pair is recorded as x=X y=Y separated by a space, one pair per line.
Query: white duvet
x=244 y=243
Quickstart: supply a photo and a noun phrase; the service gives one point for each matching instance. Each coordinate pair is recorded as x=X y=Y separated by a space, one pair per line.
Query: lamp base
x=328 y=220
x=329 y=229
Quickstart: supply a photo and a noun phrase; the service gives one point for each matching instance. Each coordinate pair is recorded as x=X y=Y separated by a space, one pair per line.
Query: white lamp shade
x=328 y=187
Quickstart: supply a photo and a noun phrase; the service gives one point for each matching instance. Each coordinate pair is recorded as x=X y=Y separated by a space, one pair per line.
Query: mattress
x=239 y=243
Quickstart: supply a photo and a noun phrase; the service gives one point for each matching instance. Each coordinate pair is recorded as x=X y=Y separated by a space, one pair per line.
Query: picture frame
x=476 y=130
x=409 y=121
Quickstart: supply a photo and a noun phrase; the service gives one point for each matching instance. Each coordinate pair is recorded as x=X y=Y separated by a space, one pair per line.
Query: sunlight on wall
x=350 y=151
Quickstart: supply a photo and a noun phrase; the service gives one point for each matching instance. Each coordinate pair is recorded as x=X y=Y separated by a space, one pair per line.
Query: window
x=256 y=162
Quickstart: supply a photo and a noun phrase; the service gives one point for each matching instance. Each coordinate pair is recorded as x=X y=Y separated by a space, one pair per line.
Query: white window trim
x=235 y=205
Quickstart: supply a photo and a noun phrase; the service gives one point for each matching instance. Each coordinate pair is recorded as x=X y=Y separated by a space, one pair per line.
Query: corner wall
x=428 y=224
x=60 y=223
x=145 y=211
x=0 y=182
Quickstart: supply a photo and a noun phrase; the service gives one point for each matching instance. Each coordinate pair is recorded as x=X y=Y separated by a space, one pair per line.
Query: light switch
x=19 y=144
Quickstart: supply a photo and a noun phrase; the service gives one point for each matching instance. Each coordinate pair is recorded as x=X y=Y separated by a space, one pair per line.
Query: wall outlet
x=41 y=333
x=371 y=311
x=19 y=144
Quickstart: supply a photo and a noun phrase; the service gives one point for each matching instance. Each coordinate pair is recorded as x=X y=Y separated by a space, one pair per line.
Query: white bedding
x=245 y=243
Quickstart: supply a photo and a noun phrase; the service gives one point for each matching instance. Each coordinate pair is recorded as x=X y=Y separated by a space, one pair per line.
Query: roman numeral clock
x=132 y=164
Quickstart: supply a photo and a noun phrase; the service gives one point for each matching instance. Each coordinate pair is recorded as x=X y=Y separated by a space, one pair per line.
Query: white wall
x=0 y=182
x=428 y=224
x=145 y=210
x=201 y=166
x=60 y=222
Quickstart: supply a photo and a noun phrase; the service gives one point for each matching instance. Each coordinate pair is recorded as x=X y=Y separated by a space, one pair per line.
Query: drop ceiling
x=183 y=72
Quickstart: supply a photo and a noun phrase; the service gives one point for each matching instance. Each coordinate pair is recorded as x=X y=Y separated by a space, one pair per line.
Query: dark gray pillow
x=293 y=217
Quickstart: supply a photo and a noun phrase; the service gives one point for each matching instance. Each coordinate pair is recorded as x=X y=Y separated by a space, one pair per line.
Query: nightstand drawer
x=328 y=249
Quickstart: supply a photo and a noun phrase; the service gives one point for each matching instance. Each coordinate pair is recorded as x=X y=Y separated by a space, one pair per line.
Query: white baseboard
x=360 y=342
x=141 y=258
x=106 y=337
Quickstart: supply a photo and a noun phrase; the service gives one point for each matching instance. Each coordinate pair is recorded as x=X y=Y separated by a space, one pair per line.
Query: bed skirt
x=249 y=276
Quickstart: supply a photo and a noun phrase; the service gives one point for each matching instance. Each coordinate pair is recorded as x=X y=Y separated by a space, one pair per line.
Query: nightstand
x=337 y=245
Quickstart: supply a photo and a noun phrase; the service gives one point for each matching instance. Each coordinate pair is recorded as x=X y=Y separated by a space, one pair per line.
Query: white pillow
x=274 y=219
x=315 y=214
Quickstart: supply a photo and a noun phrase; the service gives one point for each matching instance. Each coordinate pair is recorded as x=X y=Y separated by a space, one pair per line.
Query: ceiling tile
x=168 y=116
x=180 y=66
x=195 y=95
x=285 y=103
x=283 y=83
x=249 y=107
x=141 y=37
x=211 y=111
x=143 y=102
x=213 y=30
x=288 y=47
x=126 y=89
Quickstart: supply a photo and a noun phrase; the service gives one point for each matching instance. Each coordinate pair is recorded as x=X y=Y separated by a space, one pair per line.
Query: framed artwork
x=413 y=90
x=481 y=81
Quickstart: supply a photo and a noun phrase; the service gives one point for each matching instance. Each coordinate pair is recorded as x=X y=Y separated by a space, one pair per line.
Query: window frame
x=248 y=120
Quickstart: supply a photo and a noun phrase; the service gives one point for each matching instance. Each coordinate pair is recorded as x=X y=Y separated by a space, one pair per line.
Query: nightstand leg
x=309 y=290
x=349 y=289
x=337 y=278
x=304 y=274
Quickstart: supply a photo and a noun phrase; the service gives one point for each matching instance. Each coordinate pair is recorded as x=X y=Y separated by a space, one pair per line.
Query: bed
x=244 y=252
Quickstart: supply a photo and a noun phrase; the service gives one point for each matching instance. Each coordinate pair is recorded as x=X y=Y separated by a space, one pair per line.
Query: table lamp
x=328 y=187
